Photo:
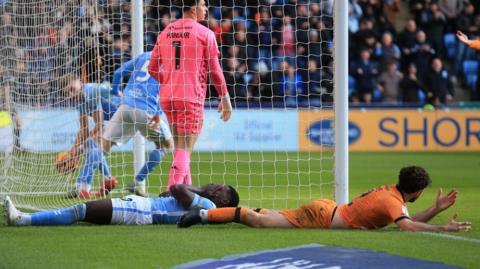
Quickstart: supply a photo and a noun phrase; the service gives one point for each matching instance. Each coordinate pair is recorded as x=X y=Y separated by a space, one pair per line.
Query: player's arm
x=81 y=136
x=155 y=120
x=125 y=70
x=442 y=202
x=474 y=44
x=190 y=196
x=155 y=61
x=98 y=119
x=217 y=78
x=453 y=225
x=184 y=194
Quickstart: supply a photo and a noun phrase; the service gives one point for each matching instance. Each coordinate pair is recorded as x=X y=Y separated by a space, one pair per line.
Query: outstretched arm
x=442 y=203
x=452 y=226
x=474 y=44
x=125 y=70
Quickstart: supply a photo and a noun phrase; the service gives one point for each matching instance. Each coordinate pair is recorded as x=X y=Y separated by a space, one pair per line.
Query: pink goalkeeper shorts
x=186 y=117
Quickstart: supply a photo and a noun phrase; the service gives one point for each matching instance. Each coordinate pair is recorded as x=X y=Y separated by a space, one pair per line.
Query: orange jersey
x=475 y=44
x=375 y=209
x=315 y=214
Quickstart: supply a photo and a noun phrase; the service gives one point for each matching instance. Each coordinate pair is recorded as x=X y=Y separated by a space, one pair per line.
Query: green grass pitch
x=90 y=246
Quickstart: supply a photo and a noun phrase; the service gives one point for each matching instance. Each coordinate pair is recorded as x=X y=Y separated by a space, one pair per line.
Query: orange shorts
x=315 y=214
x=186 y=117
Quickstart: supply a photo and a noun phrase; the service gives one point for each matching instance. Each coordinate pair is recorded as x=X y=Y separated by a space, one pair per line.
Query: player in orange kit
x=372 y=210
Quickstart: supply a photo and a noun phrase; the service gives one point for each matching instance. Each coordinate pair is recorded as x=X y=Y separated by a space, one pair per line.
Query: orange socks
x=227 y=214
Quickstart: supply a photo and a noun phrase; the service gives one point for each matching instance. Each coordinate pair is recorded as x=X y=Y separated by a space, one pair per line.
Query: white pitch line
x=454 y=237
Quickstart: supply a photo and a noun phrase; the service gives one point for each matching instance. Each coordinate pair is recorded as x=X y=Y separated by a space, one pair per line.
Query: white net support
x=278 y=65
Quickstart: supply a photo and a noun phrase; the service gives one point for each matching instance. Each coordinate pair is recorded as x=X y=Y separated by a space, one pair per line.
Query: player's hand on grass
x=445 y=201
x=455 y=226
x=225 y=108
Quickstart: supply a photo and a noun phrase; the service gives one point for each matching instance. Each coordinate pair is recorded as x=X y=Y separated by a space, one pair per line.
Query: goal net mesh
x=277 y=61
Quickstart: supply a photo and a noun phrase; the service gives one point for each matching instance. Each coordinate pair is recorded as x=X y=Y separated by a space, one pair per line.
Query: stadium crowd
x=276 y=51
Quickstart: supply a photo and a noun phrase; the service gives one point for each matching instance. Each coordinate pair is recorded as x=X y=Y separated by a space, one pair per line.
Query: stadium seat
x=421 y=96
x=351 y=85
x=470 y=67
x=450 y=42
x=472 y=80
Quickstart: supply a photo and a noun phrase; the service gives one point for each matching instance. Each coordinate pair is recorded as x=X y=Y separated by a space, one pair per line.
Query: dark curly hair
x=234 y=198
x=412 y=179
x=186 y=4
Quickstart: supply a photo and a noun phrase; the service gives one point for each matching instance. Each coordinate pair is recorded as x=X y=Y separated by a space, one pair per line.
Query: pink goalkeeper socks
x=180 y=168
x=188 y=177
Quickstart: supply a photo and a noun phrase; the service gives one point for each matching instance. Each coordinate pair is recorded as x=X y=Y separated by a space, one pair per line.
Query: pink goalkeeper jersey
x=185 y=54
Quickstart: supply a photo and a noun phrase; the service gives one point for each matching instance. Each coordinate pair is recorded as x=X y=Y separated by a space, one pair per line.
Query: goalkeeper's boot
x=108 y=185
x=10 y=213
x=192 y=217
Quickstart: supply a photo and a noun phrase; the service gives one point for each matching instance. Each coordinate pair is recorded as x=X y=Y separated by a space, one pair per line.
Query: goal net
x=277 y=149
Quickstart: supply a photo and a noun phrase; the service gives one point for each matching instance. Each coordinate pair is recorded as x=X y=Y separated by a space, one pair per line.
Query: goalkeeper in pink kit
x=184 y=56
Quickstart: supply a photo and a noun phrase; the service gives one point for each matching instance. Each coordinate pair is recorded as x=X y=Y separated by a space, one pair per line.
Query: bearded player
x=375 y=209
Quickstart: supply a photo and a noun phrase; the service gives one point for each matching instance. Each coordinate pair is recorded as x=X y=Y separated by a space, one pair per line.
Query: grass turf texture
x=89 y=246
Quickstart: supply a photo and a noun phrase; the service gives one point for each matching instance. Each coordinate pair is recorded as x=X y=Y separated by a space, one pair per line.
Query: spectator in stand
x=354 y=14
x=452 y=10
x=422 y=54
x=388 y=83
x=364 y=38
x=314 y=47
x=433 y=23
x=406 y=42
x=387 y=51
x=466 y=21
x=410 y=85
x=391 y=7
x=311 y=81
x=290 y=84
x=365 y=72
x=439 y=84
x=234 y=78
x=287 y=46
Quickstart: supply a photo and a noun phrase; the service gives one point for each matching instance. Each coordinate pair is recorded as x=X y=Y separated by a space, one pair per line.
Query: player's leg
x=119 y=130
x=64 y=216
x=162 y=137
x=93 y=158
x=180 y=170
x=188 y=120
x=96 y=158
x=259 y=218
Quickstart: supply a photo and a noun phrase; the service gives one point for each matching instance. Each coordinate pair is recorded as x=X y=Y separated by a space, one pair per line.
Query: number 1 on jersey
x=178 y=46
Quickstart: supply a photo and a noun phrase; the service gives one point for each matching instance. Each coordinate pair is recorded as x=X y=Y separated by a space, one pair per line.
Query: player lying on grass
x=372 y=210
x=87 y=98
x=131 y=209
x=139 y=110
